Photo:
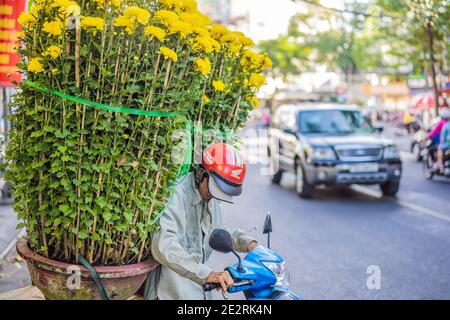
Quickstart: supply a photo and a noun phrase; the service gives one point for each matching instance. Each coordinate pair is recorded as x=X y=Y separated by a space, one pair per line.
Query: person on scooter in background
x=435 y=134
x=181 y=245
x=444 y=145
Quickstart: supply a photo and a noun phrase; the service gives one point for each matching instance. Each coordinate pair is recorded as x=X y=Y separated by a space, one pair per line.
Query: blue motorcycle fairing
x=280 y=295
x=262 y=278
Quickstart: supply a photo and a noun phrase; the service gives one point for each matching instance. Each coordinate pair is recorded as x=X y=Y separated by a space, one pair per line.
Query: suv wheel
x=390 y=188
x=303 y=187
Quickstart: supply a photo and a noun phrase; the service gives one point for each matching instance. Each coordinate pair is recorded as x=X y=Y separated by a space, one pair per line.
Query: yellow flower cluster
x=253 y=100
x=218 y=85
x=168 y=54
x=101 y=3
x=195 y=18
x=158 y=33
x=132 y=16
x=166 y=17
x=26 y=19
x=256 y=81
x=54 y=28
x=67 y=7
x=35 y=65
x=205 y=44
x=203 y=66
x=183 y=28
x=92 y=23
x=53 y=51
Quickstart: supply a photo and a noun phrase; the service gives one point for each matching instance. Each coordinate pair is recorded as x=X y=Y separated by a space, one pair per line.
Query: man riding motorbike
x=181 y=245
x=443 y=147
x=435 y=134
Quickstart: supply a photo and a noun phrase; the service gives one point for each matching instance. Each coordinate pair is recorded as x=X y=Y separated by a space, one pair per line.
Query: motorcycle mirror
x=220 y=240
x=267 y=224
x=267 y=229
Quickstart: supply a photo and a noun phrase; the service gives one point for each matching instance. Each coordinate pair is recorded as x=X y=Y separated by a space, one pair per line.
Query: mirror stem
x=239 y=268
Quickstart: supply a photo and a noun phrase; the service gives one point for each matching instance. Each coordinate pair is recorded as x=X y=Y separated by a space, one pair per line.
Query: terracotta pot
x=57 y=280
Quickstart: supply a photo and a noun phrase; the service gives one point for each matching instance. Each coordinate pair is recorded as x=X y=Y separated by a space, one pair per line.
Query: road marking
x=403 y=203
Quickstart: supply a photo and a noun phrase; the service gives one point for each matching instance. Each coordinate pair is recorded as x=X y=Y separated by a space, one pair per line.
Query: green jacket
x=181 y=245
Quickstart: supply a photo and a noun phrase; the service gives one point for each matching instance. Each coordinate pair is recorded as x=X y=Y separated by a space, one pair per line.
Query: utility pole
x=429 y=33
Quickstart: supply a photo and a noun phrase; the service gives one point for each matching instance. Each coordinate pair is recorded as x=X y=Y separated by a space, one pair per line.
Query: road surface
x=331 y=242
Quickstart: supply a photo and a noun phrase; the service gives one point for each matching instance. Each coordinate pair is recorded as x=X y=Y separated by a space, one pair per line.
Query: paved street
x=331 y=240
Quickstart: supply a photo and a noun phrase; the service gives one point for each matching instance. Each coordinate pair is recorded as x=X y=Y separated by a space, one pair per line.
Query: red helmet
x=227 y=168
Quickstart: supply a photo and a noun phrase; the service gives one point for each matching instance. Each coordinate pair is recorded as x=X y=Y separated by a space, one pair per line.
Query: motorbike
x=429 y=156
x=261 y=275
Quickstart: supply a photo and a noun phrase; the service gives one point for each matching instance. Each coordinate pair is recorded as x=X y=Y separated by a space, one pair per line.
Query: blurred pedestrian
x=408 y=120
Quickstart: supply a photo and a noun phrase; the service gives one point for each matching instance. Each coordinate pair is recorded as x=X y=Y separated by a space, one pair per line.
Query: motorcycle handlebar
x=210 y=286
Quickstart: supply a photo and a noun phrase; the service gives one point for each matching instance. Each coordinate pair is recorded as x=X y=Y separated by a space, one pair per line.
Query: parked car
x=327 y=144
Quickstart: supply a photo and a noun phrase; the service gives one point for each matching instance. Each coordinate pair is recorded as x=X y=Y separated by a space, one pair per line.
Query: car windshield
x=334 y=122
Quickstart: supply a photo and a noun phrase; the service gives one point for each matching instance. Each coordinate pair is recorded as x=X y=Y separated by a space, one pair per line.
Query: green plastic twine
x=184 y=167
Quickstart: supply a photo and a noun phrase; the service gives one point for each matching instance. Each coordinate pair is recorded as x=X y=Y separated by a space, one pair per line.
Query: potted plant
x=91 y=153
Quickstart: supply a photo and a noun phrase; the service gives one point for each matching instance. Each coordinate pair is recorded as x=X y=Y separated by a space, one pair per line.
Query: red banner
x=9 y=30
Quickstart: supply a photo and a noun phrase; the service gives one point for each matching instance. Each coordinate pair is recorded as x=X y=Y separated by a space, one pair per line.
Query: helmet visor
x=221 y=190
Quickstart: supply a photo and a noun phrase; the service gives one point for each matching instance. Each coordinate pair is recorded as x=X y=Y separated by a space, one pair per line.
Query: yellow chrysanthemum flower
x=166 y=17
x=124 y=21
x=195 y=18
x=205 y=44
x=53 y=51
x=169 y=3
x=26 y=19
x=229 y=38
x=158 y=33
x=203 y=66
x=189 y=5
x=218 y=31
x=168 y=54
x=183 y=28
x=253 y=60
x=257 y=81
x=206 y=99
x=135 y=13
x=253 y=100
x=201 y=31
x=54 y=28
x=101 y=3
x=92 y=23
x=35 y=65
x=267 y=64
x=73 y=10
x=218 y=85
x=67 y=7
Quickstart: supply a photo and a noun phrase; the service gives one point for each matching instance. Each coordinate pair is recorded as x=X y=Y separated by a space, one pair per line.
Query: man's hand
x=223 y=278
x=252 y=246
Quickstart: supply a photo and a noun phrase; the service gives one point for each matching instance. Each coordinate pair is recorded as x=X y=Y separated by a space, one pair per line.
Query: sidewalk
x=13 y=270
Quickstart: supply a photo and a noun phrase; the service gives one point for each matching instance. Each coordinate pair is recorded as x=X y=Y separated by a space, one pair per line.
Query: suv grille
x=359 y=154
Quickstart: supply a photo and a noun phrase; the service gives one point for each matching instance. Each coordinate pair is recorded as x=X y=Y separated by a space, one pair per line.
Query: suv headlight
x=322 y=153
x=280 y=272
x=391 y=152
